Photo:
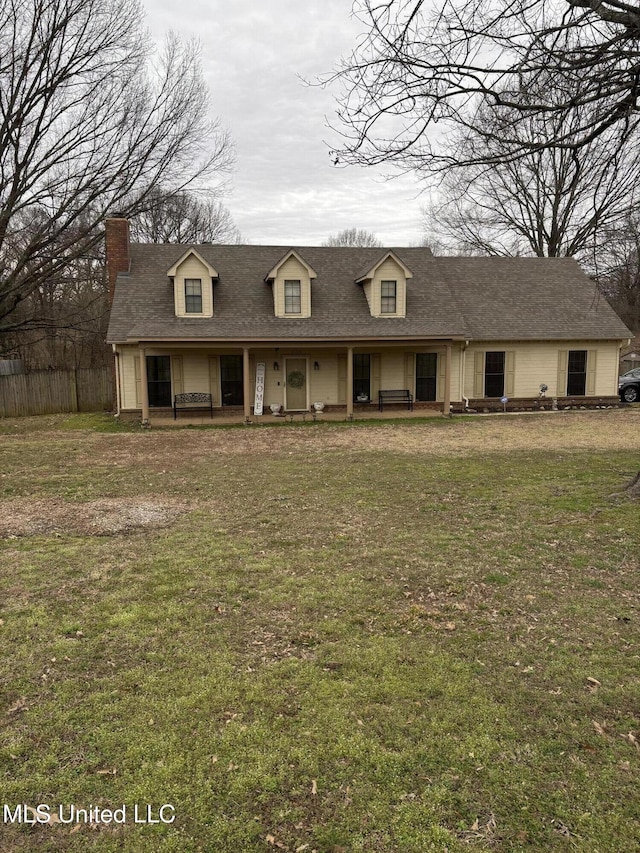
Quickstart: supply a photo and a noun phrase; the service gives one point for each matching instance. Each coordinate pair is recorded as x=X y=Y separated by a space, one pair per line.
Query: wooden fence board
x=48 y=392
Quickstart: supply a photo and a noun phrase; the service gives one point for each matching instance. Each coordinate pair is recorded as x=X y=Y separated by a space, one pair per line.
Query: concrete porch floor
x=183 y=420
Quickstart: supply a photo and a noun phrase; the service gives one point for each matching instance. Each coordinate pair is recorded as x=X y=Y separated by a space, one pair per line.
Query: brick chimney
x=116 y=235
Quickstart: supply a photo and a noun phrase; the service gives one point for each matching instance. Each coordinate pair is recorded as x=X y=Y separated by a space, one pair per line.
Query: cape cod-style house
x=338 y=325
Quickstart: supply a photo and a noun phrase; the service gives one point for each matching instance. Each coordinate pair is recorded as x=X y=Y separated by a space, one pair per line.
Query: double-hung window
x=361 y=376
x=494 y=374
x=292 y=296
x=193 y=295
x=577 y=373
x=388 y=297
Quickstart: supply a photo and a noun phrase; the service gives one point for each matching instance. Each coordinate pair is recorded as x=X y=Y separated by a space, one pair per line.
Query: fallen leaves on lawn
x=18 y=706
x=481 y=830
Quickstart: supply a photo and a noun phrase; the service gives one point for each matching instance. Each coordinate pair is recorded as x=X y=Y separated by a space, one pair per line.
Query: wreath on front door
x=295 y=379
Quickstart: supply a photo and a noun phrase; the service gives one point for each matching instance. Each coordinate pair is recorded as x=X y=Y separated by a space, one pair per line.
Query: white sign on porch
x=259 y=398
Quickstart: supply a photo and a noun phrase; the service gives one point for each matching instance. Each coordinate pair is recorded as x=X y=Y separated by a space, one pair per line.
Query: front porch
x=234 y=416
x=344 y=379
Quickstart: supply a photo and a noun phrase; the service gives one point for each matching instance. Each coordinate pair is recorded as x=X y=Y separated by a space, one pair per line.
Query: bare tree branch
x=184 y=218
x=353 y=237
x=422 y=70
x=551 y=201
x=89 y=124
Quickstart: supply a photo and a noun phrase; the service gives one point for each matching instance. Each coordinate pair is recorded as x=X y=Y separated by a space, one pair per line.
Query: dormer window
x=388 y=297
x=193 y=295
x=292 y=296
x=385 y=286
x=193 y=281
x=291 y=282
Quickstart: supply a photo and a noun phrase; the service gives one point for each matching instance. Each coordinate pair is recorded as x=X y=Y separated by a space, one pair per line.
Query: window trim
x=291 y=300
x=388 y=299
x=494 y=373
x=571 y=374
x=190 y=297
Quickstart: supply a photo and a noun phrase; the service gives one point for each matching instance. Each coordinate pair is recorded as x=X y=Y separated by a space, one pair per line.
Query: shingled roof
x=454 y=298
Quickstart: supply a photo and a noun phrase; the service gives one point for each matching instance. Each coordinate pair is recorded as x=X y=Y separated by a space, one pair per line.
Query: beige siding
x=536 y=364
x=292 y=269
x=195 y=373
x=214 y=379
x=442 y=376
x=129 y=368
x=528 y=365
x=342 y=378
x=410 y=372
x=392 y=369
x=323 y=383
x=390 y=270
x=368 y=292
x=193 y=268
x=592 y=371
x=177 y=375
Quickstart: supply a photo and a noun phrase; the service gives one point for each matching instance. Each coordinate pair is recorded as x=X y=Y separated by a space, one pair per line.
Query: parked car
x=629 y=386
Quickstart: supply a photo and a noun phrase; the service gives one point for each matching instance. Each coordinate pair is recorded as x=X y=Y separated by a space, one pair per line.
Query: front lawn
x=393 y=638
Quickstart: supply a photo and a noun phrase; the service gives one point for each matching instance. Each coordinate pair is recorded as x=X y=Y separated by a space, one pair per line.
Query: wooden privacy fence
x=46 y=392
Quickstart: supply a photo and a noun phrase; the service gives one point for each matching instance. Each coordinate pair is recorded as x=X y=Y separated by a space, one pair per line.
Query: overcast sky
x=285 y=190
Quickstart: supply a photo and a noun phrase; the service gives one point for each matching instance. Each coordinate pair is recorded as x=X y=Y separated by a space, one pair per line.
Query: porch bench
x=396 y=396
x=192 y=400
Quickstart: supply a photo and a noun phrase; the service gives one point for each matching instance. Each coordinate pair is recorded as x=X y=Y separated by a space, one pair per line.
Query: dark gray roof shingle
x=473 y=298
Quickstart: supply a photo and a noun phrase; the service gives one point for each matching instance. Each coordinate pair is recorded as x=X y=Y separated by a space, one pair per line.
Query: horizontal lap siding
x=537 y=364
x=195 y=370
x=129 y=371
x=193 y=268
x=390 y=369
x=389 y=271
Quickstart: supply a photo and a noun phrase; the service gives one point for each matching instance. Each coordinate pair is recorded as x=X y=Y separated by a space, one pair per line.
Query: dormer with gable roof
x=291 y=280
x=193 y=280
x=385 y=286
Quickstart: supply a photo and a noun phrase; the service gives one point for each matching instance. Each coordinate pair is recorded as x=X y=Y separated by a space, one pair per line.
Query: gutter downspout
x=462 y=373
x=116 y=367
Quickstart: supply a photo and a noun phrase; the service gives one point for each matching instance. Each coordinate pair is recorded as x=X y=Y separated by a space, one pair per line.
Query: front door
x=296 y=384
x=159 y=380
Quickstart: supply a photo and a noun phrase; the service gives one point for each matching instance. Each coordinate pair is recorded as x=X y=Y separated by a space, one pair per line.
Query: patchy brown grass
x=614 y=429
x=394 y=638
x=107 y=517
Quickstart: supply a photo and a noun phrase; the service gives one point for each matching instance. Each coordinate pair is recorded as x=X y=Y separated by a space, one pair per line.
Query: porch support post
x=349 y=382
x=246 y=383
x=446 y=405
x=144 y=386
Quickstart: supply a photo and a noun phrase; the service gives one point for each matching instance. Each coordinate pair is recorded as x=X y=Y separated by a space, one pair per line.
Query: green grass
x=362 y=641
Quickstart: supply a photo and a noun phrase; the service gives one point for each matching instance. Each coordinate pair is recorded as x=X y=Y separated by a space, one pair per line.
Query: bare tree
x=552 y=201
x=353 y=237
x=618 y=274
x=184 y=218
x=68 y=318
x=88 y=124
x=423 y=68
